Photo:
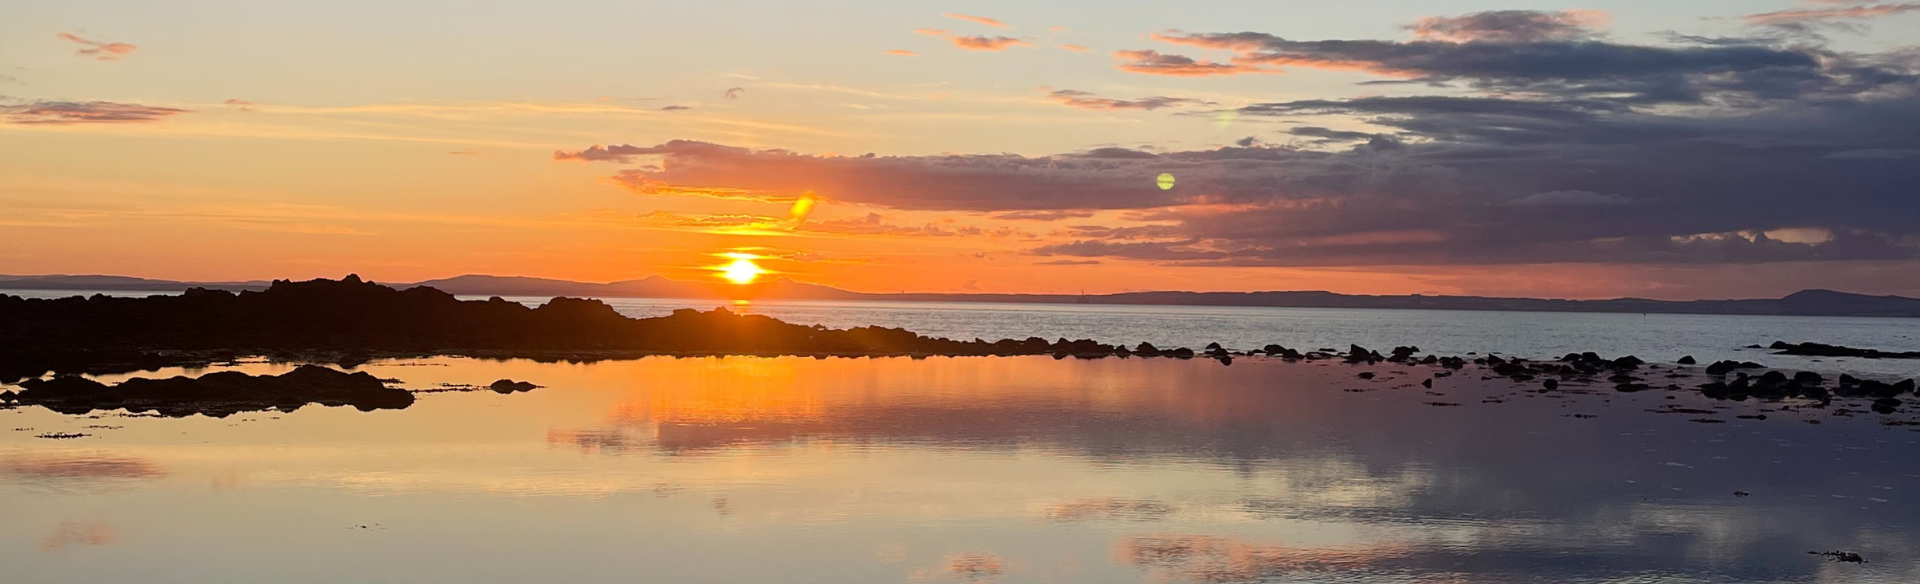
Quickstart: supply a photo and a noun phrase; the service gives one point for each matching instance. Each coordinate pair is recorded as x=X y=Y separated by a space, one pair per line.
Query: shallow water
x=960 y=470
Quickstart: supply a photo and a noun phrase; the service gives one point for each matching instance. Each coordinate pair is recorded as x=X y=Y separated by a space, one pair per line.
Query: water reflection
x=1006 y=470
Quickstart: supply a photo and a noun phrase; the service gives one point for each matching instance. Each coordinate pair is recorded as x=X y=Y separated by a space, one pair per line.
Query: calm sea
x=1653 y=337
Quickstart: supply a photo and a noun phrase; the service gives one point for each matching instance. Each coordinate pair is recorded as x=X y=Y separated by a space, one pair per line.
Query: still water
x=960 y=470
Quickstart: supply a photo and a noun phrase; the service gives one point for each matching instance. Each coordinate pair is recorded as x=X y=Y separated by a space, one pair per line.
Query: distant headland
x=1803 y=303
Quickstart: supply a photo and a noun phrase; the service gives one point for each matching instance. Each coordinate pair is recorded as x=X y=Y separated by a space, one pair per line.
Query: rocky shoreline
x=49 y=343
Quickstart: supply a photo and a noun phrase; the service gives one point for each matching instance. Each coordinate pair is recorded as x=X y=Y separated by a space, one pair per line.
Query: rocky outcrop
x=216 y=394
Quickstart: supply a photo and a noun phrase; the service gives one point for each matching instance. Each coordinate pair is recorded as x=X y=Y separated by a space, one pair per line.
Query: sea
x=1004 y=469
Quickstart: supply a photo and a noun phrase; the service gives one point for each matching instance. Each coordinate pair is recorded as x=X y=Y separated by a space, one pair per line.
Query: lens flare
x=741 y=271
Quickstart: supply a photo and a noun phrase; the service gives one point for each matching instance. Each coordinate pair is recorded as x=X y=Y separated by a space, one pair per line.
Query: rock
x=1687 y=360
x=1825 y=350
x=217 y=394
x=1886 y=405
x=1213 y=346
x=511 y=386
x=1809 y=378
x=1181 y=353
x=1147 y=350
x=1550 y=384
x=1365 y=375
x=1427 y=383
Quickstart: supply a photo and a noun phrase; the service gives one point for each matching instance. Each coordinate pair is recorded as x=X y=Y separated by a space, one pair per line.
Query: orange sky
x=1015 y=150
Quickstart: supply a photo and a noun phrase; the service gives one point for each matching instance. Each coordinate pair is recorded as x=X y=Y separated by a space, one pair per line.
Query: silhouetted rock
x=352 y=321
x=216 y=394
x=511 y=386
x=1687 y=360
x=1825 y=350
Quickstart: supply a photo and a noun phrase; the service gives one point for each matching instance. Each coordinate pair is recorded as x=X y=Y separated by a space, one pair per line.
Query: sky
x=1677 y=150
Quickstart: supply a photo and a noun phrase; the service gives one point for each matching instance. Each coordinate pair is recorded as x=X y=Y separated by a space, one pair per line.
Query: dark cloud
x=675 y=108
x=1511 y=26
x=1577 y=151
x=1512 y=52
x=733 y=92
x=1068 y=263
x=84 y=112
x=1090 y=101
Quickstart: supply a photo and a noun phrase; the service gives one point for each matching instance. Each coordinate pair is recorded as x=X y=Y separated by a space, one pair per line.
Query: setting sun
x=741 y=271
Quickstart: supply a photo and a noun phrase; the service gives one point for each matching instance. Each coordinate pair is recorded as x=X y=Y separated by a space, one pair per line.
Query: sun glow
x=741 y=271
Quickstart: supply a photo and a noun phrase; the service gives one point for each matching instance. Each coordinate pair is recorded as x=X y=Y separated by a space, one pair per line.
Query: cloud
x=1830 y=11
x=239 y=104
x=10 y=79
x=932 y=31
x=1051 y=215
x=1075 y=48
x=84 y=112
x=902 y=53
x=1511 y=26
x=1069 y=263
x=1089 y=101
x=1571 y=198
x=675 y=108
x=733 y=92
x=1152 y=62
x=1544 y=54
x=977 y=19
x=1561 y=148
x=98 y=50
x=987 y=43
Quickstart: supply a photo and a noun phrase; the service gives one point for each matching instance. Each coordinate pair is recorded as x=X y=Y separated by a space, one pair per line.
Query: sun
x=741 y=271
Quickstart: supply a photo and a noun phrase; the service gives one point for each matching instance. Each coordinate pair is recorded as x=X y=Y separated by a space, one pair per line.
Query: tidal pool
x=1023 y=469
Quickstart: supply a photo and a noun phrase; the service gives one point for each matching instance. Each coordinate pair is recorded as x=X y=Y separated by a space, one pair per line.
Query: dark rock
x=1181 y=353
x=1147 y=350
x=1887 y=405
x=1825 y=350
x=217 y=394
x=511 y=386
x=1809 y=378
x=1687 y=360
x=1365 y=375
x=1550 y=384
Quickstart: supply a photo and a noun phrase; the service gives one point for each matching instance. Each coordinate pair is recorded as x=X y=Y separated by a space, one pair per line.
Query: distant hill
x=1804 y=303
x=117 y=283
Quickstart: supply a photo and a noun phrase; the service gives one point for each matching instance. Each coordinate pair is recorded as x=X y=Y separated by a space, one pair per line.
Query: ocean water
x=1006 y=470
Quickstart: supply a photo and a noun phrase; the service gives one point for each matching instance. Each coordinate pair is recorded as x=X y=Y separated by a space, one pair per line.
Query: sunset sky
x=1711 y=148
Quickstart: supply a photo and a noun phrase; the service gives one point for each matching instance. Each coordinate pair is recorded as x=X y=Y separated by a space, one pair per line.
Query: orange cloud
x=902 y=53
x=932 y=31
x=99 y=50
x=978 y=19
x=987 y=43
x=1075 y=48
x=71 y=534
x=1153 y=62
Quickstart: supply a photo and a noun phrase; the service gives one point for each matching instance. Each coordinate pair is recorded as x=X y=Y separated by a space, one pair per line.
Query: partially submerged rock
x=216 y=394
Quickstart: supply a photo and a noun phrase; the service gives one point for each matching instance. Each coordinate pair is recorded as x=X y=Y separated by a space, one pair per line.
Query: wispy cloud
x=978 y=19
x=1827 y=11
x=1075 y=48
x=1089 y=101
x=733 y=92
x=987 y=43
x=1152 y=62
x=99 y=50
x=902 y=53
x=85 y=112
